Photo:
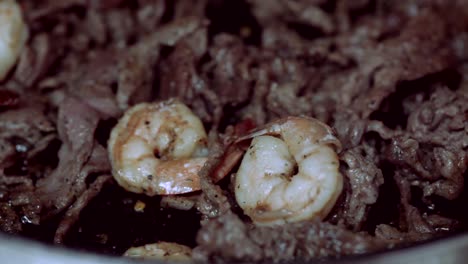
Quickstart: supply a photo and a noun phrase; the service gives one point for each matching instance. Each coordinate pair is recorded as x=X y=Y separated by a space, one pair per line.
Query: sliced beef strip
x=76 y=125
x=133 y=78
x=101 y=22
x=312 y=15
x=121 y=26
x=364 y=180
x=65 y=188
x=35 y=61
x=272 y=84
x=95 y=26
x=288 y=79
x=73 y=213
x=434 y=147
x=112 y=80
x=212 y=202
x=301 y=12
x=277 y=37
x=92 y=82
x=414 y=225
x=189 y=9
x=180 y=78
x=442 y=119
x=198 y=41
x=8 y=153
x=351 y=129
x=25 y=133
x=17 y=191
x=173 y=32
x=227 y=238
x=383 y=65
x=103 y=26
x=21 y=130
x=25 y=203
x=104 y=4
x=38 y=10
x=412 y=221
x=231 y=79
x=108 y=88
x=149 y=15
x=256 y=109
x=137 y=74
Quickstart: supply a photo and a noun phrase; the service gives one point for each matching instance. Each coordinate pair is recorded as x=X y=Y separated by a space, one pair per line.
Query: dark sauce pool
x=110 y=224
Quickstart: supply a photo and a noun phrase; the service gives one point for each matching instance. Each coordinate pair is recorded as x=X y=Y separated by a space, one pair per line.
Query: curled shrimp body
x=158 y=149
x=13 y=35
x=290 y=172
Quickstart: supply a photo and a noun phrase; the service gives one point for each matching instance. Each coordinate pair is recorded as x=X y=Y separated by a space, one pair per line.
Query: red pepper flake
x=8 y=98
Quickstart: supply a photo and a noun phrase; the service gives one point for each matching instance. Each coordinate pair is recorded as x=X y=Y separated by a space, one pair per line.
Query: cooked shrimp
x=161 y=251
x=13 y=35
x=267 y=186
x=158 y=149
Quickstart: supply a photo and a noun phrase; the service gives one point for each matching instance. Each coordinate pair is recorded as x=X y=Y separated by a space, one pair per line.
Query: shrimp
x=161 y=251
x=13 y=35
x=267 y=186
x=158 y=149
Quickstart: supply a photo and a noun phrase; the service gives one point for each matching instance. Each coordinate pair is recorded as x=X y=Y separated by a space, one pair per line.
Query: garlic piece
x=161 y=251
